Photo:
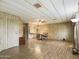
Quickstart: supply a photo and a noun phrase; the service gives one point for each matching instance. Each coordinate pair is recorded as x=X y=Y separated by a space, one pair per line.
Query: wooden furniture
x=42 y=37
x=21 y=40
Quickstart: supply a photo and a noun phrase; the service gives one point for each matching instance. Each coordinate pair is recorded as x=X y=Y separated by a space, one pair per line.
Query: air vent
x=37 y=5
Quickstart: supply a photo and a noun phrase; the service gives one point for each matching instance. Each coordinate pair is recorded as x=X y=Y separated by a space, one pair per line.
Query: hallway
x=38 y=49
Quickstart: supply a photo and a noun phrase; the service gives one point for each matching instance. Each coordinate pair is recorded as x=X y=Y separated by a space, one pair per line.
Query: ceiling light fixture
x=74 y=20
x=42 y=21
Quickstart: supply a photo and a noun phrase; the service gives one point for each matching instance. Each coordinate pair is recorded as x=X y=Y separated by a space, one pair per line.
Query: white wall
x=9 y=31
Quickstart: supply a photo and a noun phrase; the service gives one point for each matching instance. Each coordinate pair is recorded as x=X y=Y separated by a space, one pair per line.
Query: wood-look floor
x=41 y=50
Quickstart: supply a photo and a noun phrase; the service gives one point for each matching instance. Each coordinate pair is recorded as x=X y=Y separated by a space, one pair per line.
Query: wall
x=9 y=30
x=32 y=31
x=58 y=31
x=78 y=34
x=21 y=26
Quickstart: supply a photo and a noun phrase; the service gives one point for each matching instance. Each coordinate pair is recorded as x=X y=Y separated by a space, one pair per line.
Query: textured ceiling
x=52 y=11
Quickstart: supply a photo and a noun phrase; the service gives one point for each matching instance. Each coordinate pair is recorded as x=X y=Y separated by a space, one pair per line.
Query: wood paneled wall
x=9 y=30
x=58 y=31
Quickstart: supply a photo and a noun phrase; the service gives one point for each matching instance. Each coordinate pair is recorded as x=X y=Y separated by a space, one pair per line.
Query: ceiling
x=52 y=11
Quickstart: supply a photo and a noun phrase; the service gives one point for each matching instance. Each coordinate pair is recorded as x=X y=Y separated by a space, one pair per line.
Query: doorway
x=24 y=39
